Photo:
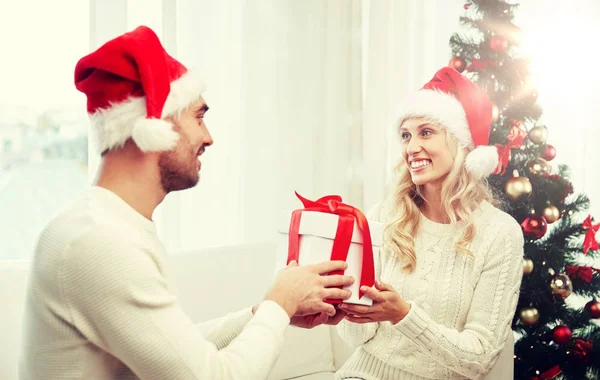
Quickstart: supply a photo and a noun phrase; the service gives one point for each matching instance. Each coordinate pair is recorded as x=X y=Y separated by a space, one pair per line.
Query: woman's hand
x=387 y=306
x=310 y=321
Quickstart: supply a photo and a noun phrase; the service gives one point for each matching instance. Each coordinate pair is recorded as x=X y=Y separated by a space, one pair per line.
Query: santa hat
x=132 y=84
x=464 y=110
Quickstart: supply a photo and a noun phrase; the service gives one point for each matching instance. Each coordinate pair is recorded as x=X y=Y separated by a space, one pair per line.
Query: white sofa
x=213 y=282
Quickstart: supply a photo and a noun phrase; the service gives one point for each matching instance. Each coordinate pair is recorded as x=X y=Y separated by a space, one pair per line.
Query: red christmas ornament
x=581 y=350
x=458 y=63
x=534 y=226
x=593 y=308
x=548 y=152
x=561 y=334
x=498 y=43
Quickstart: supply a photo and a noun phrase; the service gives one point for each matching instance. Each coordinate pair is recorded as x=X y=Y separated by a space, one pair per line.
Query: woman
x=451 y=265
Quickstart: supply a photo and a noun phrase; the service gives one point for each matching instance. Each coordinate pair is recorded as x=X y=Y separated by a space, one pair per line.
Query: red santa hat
x=132 y=84
x=464 y=110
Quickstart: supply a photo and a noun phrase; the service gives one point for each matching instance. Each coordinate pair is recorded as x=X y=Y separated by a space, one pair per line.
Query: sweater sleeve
x=473 y=351
x=357 y=334
x=222 y=331
x=118 y=299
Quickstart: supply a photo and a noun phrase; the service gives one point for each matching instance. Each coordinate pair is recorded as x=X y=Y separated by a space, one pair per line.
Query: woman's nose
x=413 y=146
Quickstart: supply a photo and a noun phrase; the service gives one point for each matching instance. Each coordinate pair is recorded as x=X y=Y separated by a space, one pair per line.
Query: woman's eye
x=426 y=132
x=405 y=135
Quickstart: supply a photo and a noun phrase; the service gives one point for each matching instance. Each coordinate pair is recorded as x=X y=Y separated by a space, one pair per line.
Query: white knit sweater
x=461 y=307
x=101 y=305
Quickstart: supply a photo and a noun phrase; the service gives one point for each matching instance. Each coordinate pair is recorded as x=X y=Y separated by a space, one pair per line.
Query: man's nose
x=208 y=140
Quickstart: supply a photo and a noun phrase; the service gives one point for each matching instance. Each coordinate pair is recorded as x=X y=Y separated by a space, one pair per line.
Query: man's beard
x=178 y=170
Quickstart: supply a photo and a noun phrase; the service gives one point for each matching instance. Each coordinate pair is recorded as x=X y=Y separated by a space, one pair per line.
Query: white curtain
x=284 y=87
x=303 y=95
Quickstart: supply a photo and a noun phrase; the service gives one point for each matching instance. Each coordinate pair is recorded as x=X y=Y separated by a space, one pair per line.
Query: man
x=100 y=303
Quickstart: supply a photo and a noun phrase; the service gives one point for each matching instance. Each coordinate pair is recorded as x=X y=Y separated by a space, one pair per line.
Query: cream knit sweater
x=461 y=307
x=101 y=306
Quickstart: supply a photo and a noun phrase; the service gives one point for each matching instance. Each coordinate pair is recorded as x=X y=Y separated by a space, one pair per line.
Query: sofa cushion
x=305 y=351
x=13 y=285
x=317 y=376
x=238 y=276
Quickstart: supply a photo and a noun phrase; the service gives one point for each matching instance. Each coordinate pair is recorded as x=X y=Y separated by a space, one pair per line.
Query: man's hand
x=302 y=291
x=314 y=320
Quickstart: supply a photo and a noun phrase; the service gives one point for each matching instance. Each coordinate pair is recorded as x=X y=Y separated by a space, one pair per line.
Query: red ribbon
x=549 y=374
x=590 y=241
x=515 y=137
x=332 y=204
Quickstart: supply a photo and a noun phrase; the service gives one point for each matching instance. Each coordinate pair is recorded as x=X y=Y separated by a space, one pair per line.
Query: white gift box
x=316 y=235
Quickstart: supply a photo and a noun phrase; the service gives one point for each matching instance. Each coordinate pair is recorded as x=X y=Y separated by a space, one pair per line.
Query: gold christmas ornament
x=551 y=213
x=529 y=316
x=561 y=286
x=527 y=266
x=517 y=186
x=538 y=165
x=495 y=113
x=538 y=135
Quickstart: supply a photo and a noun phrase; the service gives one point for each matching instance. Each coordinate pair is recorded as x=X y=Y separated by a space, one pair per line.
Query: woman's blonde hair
x=461 y=194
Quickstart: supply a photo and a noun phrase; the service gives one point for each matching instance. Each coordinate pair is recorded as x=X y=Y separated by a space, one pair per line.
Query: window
x=43 y=123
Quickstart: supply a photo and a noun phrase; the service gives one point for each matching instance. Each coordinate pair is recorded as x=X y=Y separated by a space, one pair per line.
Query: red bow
x=584 y=273
x=515 y=137
x=582 y=350
x=332 y=204
x=590 y=241
x=549 y=374
x=480 y=64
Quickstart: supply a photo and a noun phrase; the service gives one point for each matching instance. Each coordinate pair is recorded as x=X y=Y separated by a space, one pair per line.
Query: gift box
x=327 y=229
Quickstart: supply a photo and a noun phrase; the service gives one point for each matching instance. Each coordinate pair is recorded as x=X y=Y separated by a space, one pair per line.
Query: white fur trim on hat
x=114 y=125
x=154 y=135
x=440 y=107
x=482 y=161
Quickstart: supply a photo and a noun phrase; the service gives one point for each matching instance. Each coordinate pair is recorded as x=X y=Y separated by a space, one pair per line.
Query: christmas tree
x=554 y=338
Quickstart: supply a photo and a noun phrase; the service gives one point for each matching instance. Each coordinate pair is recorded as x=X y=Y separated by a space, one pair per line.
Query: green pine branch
x=565 y=232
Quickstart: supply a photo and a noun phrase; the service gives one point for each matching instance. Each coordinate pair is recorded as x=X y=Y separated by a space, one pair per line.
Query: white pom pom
x=482 y=161
x=154 y=135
